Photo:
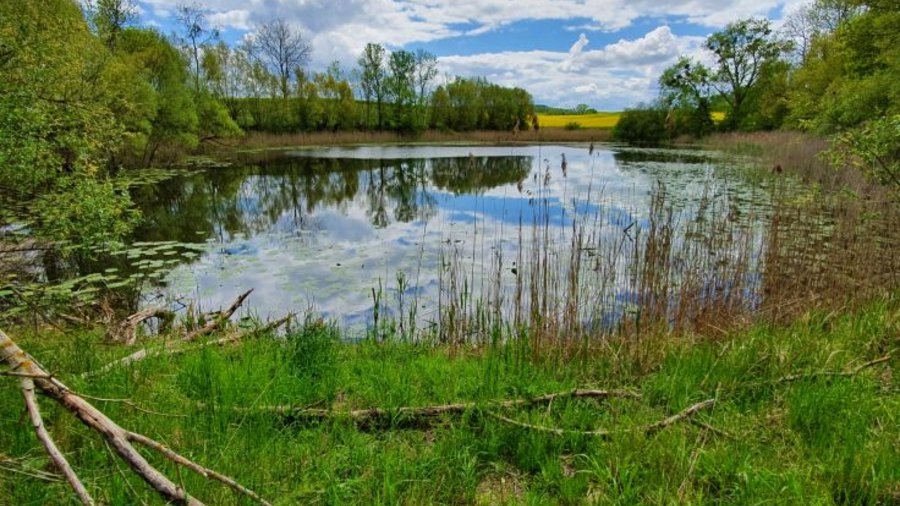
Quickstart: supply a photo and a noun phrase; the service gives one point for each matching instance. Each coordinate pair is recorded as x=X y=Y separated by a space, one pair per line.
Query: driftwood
x=424 y=414
x=118 y=438
x=177 y=347
x=126 y=331
x=652 y=428
x=218 y=319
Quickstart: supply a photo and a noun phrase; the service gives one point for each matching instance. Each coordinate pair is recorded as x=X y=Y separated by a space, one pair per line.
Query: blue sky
x=604 y=53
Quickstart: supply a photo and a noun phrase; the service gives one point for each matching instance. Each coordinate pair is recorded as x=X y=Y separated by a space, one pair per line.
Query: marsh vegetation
x=375 y=288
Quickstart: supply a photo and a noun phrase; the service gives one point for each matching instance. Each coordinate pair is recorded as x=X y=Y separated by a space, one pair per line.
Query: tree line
x=832 y=70
x=86 y=92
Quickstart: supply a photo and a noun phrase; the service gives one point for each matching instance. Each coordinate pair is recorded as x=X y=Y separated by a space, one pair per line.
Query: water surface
x=321 y=228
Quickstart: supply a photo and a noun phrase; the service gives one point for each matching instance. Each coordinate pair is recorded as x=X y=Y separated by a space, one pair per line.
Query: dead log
x=126 y=331
x=218 y=320
x=118 y=438
x=649 y=429
x=177 y=348
x=365 y=417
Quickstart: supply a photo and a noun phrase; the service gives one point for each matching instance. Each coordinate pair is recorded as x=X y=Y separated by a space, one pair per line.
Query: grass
x=825 y=440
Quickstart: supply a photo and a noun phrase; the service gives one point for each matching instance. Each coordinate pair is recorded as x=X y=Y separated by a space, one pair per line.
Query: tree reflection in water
x=284 y=194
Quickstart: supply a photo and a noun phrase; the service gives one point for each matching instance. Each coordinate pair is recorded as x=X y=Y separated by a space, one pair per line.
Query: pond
x=341 y=230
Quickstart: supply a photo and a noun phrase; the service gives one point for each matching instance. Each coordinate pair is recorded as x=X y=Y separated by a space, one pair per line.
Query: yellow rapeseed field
x=595 y=120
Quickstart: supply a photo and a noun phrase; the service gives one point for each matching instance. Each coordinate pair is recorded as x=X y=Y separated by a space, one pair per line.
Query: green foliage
x=849 y=76
x=742 y=49
x=685 y=87
x=85 y=212
x=873 y=148
x=475 y=104
x=642 y=125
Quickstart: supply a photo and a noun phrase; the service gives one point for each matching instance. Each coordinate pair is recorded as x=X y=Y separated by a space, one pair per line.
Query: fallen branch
x=46 y=440
x=365 y=416
x=853 y=372
x=177 y=348
x=605 y=433
x=119 y=439
x=218 y=320
x=684 y=414
x=126 y=331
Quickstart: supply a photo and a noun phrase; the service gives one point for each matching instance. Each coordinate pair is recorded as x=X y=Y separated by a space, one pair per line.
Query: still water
x=321 y=228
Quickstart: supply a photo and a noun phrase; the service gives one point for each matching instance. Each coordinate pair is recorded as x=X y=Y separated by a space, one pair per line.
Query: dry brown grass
x=797 y=153
x=821 y=246
x=259 y=140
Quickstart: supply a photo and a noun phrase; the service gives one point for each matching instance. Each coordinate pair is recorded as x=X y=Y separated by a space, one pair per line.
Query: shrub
x=642 y=125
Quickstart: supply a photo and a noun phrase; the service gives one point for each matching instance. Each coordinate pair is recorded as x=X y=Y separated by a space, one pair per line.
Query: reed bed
x=703 y=270
x=261 y=140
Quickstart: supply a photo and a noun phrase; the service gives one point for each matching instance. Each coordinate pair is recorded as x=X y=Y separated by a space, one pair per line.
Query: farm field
x=594 y=120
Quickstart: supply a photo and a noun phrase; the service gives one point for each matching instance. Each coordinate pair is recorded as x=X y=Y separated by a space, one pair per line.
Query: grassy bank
x=769 y=438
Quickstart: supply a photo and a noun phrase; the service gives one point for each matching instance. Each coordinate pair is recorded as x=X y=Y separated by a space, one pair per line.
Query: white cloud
x=615 y=76
x=618 y=73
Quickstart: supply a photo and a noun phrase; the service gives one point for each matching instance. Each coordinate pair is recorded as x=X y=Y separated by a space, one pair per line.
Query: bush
x=572 y=125
x=873 y=148
x=642 y=125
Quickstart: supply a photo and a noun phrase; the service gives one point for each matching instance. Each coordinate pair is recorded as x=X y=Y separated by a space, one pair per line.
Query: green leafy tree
x=174 y=120
x=440 y=109
x=850 y=76
x=109 y=17
x=642 y=125
x=742 y=49
x=372 y=79
x=686 y=87
x=401 y=88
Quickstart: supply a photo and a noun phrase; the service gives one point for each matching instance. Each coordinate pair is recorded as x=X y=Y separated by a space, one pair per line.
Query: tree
x=174 y=119
x=641 y=125
x=440 y=109
x=401 y=86
x=196 y=37
x=817 y=19
x=686 y=86
x=109 y=17
x=372 y=77
x=426 y=71
x=283 y=48
x=741 y=51
x=849 y=77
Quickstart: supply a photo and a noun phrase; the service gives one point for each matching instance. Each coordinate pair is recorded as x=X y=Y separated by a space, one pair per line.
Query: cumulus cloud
x=616 y=76
x=619 y=73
